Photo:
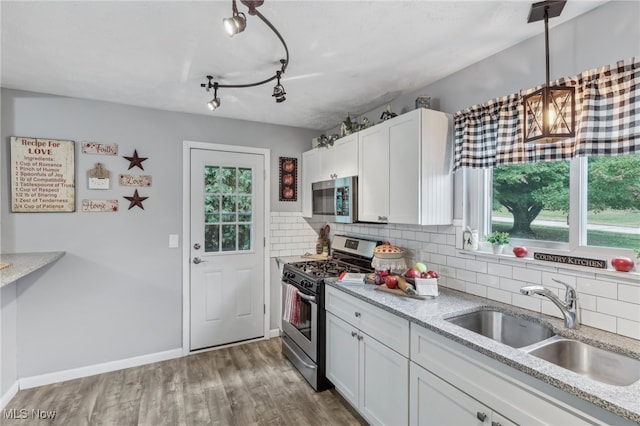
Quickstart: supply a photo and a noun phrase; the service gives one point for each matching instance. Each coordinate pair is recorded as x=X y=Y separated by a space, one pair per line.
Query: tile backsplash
x=609 y=301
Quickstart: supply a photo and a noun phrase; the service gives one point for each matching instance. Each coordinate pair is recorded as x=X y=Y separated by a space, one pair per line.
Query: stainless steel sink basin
x=595 y=363
x=504 y=328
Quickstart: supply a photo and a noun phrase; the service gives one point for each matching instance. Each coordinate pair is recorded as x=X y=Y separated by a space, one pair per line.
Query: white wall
x=117 y=292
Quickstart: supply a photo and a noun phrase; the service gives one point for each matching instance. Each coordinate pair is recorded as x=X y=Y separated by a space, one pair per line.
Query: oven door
x=303 y=330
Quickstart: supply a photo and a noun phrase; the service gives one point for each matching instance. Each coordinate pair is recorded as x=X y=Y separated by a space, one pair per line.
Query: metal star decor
x=136 y=200
x=135 y=161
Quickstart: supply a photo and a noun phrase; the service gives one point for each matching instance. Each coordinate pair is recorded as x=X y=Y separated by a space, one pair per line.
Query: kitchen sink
x=595 y=363
x=504 y=328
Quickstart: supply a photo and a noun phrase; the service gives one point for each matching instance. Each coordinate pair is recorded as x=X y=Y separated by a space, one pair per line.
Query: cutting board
x=399 y=292
x=5 y=264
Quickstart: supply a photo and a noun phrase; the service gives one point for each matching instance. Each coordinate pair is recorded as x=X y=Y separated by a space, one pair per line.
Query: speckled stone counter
x=25 y=263
x=432 y=314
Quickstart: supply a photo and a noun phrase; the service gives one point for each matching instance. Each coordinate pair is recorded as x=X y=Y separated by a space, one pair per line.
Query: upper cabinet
x=339 y=160
x=405 y=170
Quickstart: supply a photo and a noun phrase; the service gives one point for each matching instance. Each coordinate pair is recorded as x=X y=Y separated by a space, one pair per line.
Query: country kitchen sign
x=42 y=175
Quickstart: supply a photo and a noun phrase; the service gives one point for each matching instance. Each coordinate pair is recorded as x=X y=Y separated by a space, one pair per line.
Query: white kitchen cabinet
x=405 y=170
x=367 y=357
x=373 y=378
x=310 y=174
x=485 y=381
x=435 y=402
x=339 y=160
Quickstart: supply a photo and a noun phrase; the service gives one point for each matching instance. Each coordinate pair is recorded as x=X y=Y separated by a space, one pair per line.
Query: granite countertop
x=432 y=314
x=24 y=263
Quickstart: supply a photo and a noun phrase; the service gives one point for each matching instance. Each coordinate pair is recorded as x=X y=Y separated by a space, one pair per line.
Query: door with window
x=227 y=270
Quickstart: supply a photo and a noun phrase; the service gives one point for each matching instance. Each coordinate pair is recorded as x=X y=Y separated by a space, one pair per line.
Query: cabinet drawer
x=384 y=326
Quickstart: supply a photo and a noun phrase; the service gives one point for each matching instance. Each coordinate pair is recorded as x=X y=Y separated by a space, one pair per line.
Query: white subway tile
x=446 y=271
x=511 y=285
x=456 y=284
x=547 y=279
x=408 y=235
x=528 y=275
x=629 y=328
x=628 y=293
x=476 y=265
x=430 y=247
x=451 y=240
x=586 y=301
x=549 y=308
x=619 y=309
x=438 y=258
x=465 y=275
x=598 y=320
x=488 y=280
x=597 y=288
x=447 y=250
x=499 y=295
x=438 y=238
x=526 y=302
x=456 y=262
x=478 y=290
x=499 y=270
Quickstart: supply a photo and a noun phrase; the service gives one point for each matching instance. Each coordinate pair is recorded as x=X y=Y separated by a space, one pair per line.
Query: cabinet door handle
x=360 y=337
x=357 y=314
x=481 y=416
x=354 y=334
x=496 y=424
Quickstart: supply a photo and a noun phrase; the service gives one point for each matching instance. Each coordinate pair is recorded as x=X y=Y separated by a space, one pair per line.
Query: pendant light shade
x=549 y=113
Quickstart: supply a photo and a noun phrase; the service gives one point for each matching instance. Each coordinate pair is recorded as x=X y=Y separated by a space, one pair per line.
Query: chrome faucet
x=569 y=308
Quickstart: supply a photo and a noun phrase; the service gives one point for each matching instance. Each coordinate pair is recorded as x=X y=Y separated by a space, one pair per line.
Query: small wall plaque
x=135 y=180
x=570 y=260
x=99 y=205
x=98 y=177
x=99 y=148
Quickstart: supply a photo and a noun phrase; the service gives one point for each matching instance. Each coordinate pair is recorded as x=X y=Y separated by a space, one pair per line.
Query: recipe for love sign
x=42 y=175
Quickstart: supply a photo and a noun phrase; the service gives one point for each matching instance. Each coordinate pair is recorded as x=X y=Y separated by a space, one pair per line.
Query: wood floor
x=251 y=384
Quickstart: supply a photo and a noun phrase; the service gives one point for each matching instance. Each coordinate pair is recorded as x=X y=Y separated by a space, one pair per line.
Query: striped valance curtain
x=607 y=122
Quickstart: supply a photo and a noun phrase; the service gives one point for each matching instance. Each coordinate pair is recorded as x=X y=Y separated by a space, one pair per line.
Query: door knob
x=197 y=260
x=196 y=246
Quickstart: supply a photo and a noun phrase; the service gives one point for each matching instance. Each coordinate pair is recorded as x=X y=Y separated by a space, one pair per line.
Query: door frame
x=187 y=146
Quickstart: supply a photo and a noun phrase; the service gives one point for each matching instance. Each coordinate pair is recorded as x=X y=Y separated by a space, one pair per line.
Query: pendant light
x=237 y=24
x=549 y=113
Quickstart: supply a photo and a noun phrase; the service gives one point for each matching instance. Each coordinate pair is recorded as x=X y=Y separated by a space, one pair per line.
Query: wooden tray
x=399 y=292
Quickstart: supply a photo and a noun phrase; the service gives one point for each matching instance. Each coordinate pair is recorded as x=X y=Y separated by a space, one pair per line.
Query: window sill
x=531 y=263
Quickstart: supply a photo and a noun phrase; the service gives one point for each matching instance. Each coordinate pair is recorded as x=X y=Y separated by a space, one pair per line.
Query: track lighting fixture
x=237 y=23
x=215 y=102
x=549 y=113
x=234 y=25
x=278 y=90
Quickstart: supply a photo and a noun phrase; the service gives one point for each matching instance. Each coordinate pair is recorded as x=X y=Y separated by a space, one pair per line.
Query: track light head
x=236 y=24
x=278 y=90
x=213 y=103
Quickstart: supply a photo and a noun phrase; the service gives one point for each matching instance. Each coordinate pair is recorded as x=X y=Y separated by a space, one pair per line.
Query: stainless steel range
x=303 y=322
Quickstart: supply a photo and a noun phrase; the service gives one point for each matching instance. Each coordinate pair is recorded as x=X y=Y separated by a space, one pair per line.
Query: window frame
x=479 y=185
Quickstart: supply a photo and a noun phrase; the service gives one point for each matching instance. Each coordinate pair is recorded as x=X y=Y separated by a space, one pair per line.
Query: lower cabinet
x=435 y=402
x=372 y=377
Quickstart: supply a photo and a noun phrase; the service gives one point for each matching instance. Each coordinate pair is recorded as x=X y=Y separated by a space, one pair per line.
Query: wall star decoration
x=135 y=161
x=136 y=200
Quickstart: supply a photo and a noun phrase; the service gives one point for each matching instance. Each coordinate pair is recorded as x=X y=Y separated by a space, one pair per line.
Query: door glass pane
x=244 y=237
x=229 y=180
x=532 y=201
x=228 y=237
x=228 y=215
x=613 y=212
x=211 y=238
x=244 y=181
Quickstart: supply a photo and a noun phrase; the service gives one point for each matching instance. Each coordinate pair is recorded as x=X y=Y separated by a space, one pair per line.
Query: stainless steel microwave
x=336 y=200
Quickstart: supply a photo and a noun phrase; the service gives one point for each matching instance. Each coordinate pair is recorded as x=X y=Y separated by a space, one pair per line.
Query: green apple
x=420 y=267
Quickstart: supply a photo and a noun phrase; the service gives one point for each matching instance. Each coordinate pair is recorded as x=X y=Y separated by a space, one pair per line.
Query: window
x=568 y=204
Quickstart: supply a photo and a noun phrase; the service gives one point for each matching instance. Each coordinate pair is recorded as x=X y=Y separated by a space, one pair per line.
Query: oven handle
x=311 y=299
x=309 y=366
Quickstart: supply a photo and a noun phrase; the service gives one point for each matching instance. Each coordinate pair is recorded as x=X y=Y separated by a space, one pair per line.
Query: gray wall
x=117 y=292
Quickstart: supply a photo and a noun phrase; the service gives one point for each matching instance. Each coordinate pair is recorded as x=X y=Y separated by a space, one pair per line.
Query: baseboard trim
x=274 y=333
x=9 y=394
x=76 y=373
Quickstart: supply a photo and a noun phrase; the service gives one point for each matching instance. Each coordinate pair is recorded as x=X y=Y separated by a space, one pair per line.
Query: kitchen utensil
x=398 y=292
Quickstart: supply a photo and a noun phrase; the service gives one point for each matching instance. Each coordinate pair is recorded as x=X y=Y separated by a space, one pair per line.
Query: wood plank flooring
x=251 y=384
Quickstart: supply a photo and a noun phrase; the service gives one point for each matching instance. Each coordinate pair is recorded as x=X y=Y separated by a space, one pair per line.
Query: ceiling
x=346 y=56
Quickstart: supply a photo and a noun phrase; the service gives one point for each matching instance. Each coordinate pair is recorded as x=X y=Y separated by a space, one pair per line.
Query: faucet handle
x=570 y=294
